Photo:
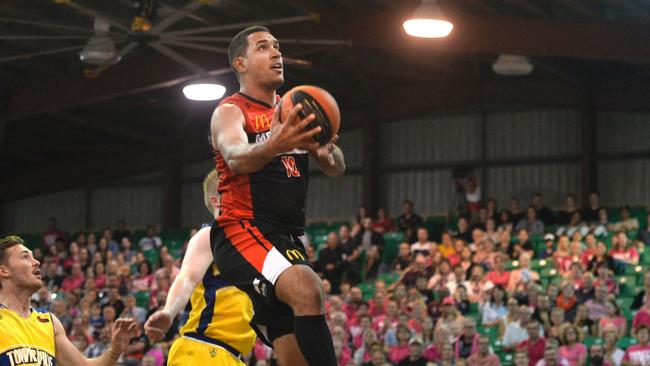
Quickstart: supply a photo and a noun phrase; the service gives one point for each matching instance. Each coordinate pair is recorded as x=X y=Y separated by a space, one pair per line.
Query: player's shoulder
x=228 y=112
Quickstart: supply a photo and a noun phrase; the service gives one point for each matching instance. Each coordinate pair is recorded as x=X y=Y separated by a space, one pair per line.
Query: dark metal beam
x=543 y=38
x=107 y=126
x=478 y=34
x=94 y=170
x=145 y=73
x=579 y=8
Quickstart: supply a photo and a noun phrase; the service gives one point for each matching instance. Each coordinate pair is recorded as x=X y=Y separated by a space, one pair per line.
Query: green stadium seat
x=626 y=342
x=473 y=308
x=389 y=278
x=367 y=289
x=142 y=299
x=589 y=341
x=151 y=256
x=540 y=264
x=391 y=246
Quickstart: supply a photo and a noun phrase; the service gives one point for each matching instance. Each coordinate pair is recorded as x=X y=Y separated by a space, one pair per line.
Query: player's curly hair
x=210 y=187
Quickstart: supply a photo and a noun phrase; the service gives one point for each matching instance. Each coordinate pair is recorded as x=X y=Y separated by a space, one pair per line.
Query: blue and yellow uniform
x=218 y=330
x=26 y=341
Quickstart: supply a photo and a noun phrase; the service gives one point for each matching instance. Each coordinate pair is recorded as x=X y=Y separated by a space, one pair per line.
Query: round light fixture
x=428 y=21
x=204 y=91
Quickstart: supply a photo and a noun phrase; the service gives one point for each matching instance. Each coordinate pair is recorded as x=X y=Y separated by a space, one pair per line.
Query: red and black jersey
x=276 y=193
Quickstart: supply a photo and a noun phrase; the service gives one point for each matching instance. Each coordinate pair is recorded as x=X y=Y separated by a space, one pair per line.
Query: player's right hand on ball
x=292 y=133
x=157 y=325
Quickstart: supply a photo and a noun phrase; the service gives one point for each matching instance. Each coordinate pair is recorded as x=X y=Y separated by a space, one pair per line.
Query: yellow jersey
x=26 y=341
x=220 y=314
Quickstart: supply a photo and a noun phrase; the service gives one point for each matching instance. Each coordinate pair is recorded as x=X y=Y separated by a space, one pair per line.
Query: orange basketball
x=319 y=102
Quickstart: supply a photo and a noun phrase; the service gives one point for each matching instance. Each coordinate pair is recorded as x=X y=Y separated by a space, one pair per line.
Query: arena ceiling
x=61 y=127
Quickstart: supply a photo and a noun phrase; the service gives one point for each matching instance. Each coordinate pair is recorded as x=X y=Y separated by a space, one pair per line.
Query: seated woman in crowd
x=613 y=319
x=624 y=255
x=450 y=320
x=613 y=354
x=572 y=352
x=494 y=308
x=521 y=276
x=498 y=275
x=532 y=223
x=477 y=286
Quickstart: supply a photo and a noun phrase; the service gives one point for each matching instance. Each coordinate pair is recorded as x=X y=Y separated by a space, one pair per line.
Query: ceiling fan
x=100 y=51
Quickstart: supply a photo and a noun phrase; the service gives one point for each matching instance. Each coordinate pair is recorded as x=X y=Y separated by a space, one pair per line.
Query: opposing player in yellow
x=218 y=330
x=32 y=338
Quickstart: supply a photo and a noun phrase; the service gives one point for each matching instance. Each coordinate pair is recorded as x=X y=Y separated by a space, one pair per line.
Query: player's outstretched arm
x=229 y=138
x=196 y=263
x=330 y=158
x=68 y=355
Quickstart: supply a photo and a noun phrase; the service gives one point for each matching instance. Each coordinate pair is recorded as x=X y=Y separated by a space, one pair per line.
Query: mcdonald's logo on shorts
x=294 y=254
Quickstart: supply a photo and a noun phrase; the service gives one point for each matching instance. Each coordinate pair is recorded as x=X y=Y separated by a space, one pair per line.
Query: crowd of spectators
x=471 y=297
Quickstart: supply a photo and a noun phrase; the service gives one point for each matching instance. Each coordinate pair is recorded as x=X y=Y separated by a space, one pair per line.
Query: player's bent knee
x=302 y=289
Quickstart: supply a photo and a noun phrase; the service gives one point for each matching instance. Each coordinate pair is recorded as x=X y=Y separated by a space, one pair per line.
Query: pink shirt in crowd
x=398 y=353
x=572 y=354
x=638 y=354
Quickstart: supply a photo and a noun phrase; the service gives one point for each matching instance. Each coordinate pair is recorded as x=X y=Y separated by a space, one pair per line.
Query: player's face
x=264 y=60
x=23 y=270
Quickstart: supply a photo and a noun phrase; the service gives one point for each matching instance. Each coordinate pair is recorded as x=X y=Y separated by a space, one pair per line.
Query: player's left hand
x=123 y=331
x=325 y=152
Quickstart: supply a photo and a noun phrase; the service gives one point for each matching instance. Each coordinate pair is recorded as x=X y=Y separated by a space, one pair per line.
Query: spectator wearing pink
x=621 y=252
x=483 y=357
x=72 y=257
x=534 y=345
x=572 y=351
x=51 y=233
x=381 y=323
x=377 y=305
x=363 y=354
x=401 y=350
x=498 y=275
x=75 y=280
x=478 y=285
x=639 y=354
x=604 y=276
x=596 y=306
x=642 y=317
x=262 y=351
x=100 y=275
x=384 y=223
x=353 y=322
x=613 y=319
x=144 y=280
x=157 y=355
x=434 y=351
x=450 y=321
x=343 y=354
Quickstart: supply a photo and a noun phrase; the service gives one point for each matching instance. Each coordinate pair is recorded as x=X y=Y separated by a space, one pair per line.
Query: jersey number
x=290 y=164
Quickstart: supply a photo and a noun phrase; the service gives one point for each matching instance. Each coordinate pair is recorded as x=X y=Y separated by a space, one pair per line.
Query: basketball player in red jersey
x=263 y=174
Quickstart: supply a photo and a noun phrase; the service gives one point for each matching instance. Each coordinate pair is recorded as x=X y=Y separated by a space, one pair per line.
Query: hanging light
x=428 y=21
x=203 y=91
x=100 y=48
x=512 y=65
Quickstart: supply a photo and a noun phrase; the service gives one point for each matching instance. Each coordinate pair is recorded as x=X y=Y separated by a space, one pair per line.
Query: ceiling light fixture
x=428 y=21
x=512 y=65
x=203 y=91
